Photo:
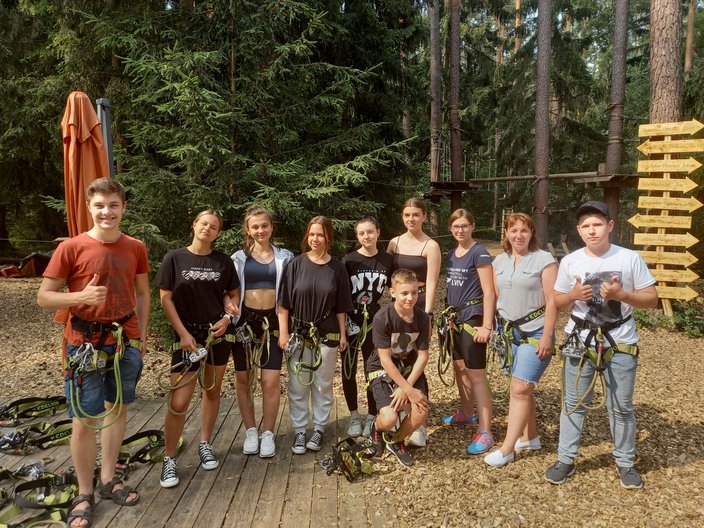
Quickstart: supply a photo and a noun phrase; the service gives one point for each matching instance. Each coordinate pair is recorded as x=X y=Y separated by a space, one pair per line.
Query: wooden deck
x=286 y=490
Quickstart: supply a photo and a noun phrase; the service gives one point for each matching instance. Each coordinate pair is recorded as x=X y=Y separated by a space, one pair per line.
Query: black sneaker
x=207 y=456
x=377 y=441
x=316 y=441
x=558 y=472
x=630 y=478
x=403 y=456
x=299 y=444
x=169 y=477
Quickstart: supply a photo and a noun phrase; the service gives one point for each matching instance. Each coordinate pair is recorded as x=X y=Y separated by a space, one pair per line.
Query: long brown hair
x=325 y=222
x=513 y=219
x=415 y=202
x=252 y=211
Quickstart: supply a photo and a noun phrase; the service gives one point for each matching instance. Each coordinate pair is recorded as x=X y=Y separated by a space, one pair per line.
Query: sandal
x=105 y=491
x=86 y=515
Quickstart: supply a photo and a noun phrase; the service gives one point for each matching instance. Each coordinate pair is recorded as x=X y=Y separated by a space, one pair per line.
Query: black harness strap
x=90 y=328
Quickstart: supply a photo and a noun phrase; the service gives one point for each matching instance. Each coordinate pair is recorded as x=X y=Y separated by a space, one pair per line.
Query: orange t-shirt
x=117 y=264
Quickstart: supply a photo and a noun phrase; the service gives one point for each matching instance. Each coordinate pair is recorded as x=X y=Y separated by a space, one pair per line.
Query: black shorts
x=473 y=354
x=383 y=387
x=218 y=355
x=271 y=355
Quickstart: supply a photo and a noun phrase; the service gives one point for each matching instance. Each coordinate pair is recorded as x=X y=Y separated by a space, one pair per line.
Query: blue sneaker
x=458 y=418
x=481 y=442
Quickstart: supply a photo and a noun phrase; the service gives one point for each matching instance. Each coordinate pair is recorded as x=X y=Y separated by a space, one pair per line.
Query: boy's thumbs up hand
x=580 y=292
x=94 y=294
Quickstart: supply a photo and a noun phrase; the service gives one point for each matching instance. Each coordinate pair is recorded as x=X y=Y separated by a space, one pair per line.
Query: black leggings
x=349 y=386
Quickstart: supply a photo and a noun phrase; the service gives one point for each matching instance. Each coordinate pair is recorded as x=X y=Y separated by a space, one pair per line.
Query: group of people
x=264 y=307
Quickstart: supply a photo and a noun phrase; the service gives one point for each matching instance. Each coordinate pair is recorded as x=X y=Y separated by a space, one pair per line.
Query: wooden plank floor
x=286 y=490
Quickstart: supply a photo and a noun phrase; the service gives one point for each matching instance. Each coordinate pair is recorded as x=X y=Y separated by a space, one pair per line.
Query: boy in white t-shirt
x=600 y=285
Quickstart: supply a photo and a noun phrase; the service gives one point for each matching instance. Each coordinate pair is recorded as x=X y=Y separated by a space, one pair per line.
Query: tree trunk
x=519 y=28
x=500 y=38
x=689 y=50
x=454 y=101
x=435 y=90
x=542 y=120
x=665 y=61
x=614 y=149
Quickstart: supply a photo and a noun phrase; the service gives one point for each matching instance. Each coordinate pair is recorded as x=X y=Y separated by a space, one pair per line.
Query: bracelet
x=489 y=327
x=229 y=317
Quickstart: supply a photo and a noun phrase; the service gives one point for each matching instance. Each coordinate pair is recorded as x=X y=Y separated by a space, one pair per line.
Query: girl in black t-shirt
x=314 y=299
x=192 y=282
x=369 y=270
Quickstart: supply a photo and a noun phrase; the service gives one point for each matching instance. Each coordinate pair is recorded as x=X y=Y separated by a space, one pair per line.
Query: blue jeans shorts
x=97 y=388
x=526 y=365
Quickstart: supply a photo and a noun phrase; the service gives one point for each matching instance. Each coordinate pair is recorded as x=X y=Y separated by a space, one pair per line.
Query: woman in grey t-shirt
x=524 y=277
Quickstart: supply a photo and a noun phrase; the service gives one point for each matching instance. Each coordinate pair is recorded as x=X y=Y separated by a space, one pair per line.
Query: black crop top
x=418 y=264
x=258 y=275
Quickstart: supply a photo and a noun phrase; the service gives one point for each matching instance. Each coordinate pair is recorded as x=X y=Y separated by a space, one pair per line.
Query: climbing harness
x=447 y=327
x=12 y=413
x=598 y=356
x=349 y=458
x=48 y=505
x=358 y=336
x=257 y=349
x=500 y=351
x=42 y=435
x=305 y=335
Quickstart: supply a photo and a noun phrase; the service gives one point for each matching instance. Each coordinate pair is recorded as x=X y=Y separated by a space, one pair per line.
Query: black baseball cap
x=593 y=205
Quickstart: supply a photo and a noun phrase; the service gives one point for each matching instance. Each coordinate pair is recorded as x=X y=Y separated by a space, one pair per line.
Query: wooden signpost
x=667 y=178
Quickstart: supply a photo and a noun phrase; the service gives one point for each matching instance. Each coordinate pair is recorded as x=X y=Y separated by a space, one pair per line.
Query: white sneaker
x=368 y=425
x=497 y=459
x=251 y=441
x=267 y=449
x=419 y=437
x=533 y=444
x=354 y=429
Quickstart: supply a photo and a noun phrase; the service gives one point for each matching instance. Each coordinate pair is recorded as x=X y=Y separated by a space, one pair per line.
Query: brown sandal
x=105 y=491
x=86 y=515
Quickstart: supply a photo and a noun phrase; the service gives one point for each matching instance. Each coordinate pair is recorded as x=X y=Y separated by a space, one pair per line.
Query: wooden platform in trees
x=286 y=490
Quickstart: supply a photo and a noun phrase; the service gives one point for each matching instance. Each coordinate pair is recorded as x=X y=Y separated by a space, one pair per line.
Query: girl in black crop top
x=418 y=252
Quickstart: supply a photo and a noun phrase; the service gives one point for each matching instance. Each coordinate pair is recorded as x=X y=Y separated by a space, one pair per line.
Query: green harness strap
x=311 y=342
x=350 y=355
x=447 y=326
x=12 y=413
x=51 y=505
x=254 y=350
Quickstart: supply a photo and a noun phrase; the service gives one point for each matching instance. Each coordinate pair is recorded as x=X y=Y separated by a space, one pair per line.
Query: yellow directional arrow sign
x=674 y=275
x=672 y=292
x=676 y=222
x=659 y=202
x=661 y=184
x=676 y=165
x=672 y=147
x=670 y=129
x=653 y=239
x=656 y=257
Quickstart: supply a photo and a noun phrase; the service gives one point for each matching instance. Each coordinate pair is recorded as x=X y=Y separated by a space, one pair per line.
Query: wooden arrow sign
x=672 y=147
x=674 y=275
x=661 y=184
x=656 y=257
x=676 y=222
x=688 y=165
x=654 y=239
x=670 y=129
x=672 y=292
x=678 y=204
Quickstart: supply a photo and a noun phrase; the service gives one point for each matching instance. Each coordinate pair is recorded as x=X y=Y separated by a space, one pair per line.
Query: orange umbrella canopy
x=85 y=158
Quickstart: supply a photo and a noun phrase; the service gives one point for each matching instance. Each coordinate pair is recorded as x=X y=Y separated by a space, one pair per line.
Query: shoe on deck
x=316 y=441
x=354 y=429
x=251 y=441
x=368 y=425
x=207 y=456
x=169 y=475
x=267 y=449
x=299 y=444
x=458 y=418
x=481 y=442
x=558 y=472
x=377 y=440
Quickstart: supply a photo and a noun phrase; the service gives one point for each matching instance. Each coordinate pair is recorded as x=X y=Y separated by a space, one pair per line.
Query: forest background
x=315 y=107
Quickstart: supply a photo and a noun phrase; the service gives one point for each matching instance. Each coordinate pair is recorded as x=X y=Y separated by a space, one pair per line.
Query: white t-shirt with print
x=623 y=263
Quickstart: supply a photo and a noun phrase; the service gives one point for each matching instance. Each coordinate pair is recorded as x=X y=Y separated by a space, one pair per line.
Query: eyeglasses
x=462 y=227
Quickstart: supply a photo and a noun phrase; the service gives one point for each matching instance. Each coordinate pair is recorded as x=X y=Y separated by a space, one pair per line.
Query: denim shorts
x=526 y=365
x=96 y=388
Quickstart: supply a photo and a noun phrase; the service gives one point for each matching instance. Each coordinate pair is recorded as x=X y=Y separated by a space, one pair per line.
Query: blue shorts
x=96 y=388
x=526 y=365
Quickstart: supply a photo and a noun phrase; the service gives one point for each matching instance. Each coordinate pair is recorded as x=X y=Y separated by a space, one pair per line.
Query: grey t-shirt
x=521 y=287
